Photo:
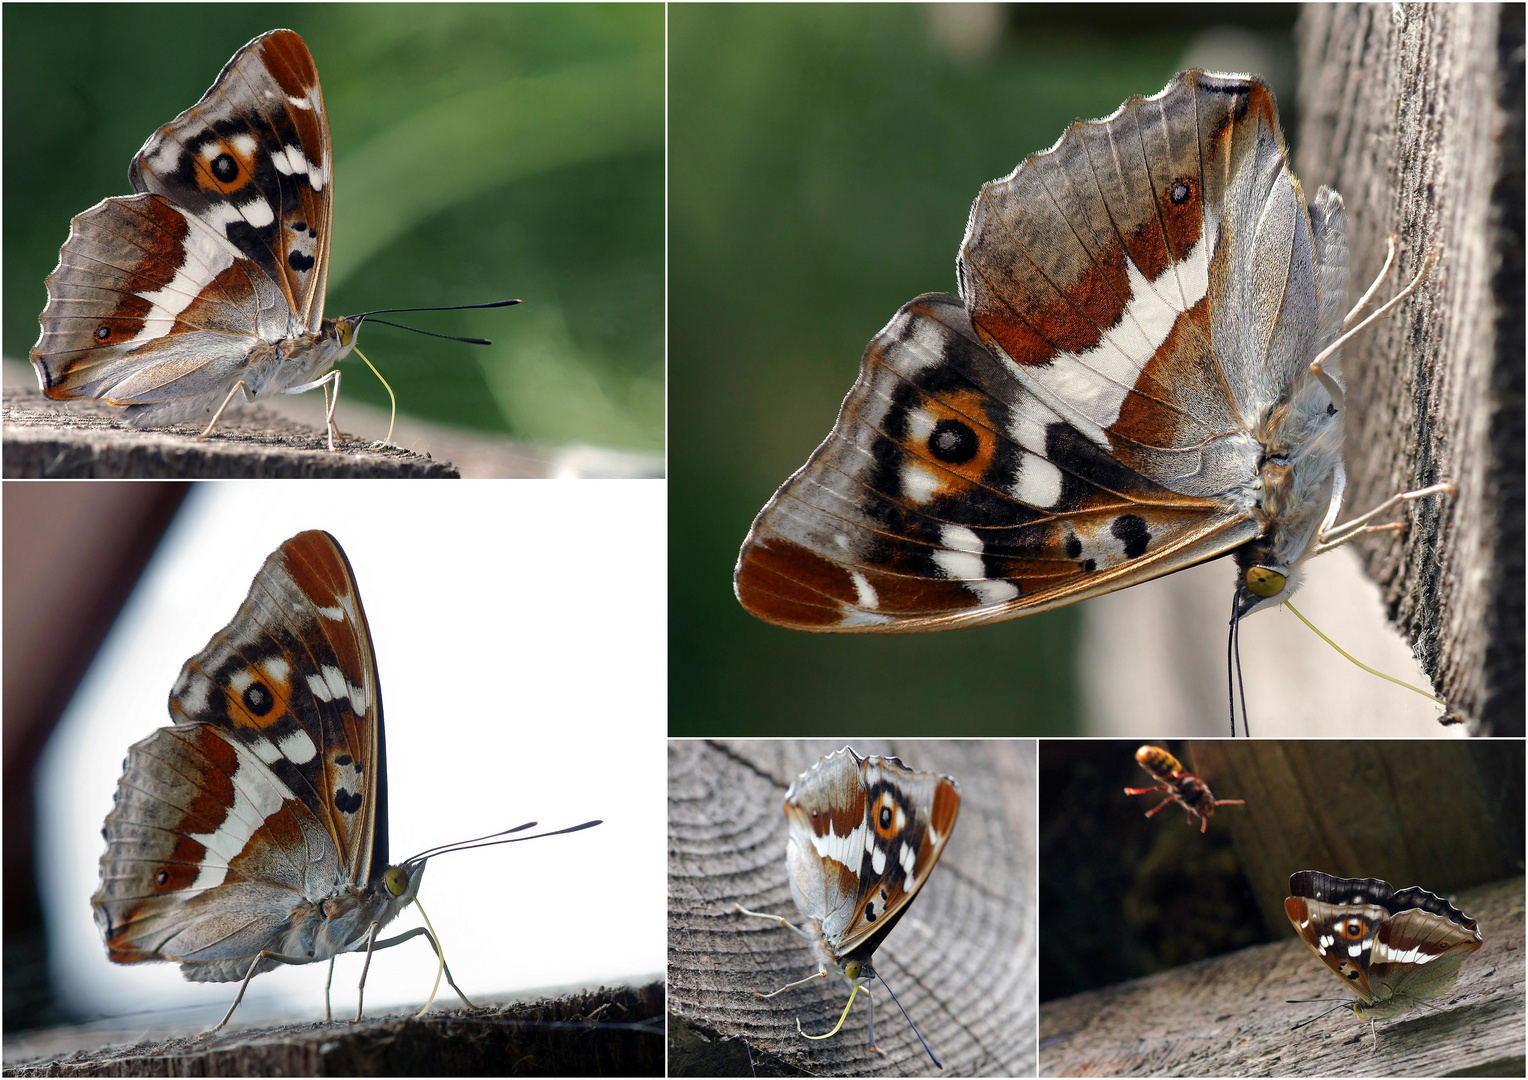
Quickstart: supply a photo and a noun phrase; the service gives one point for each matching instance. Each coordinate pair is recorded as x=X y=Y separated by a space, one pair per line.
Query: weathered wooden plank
x=1229 y=1016
x=78 y=440
x=617 y=1032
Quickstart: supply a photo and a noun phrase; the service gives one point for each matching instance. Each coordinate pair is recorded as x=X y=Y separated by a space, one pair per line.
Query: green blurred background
x=481 y=151
x=823 y=159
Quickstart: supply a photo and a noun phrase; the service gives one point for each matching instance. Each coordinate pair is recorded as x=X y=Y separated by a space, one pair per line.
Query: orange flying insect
x=1181 y=785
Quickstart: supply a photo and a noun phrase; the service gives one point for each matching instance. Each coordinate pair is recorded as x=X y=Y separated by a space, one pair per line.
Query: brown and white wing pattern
x=1393 y=949
x=1096 y=408
x=269 y=793
x=163 y=300
x=864 y=835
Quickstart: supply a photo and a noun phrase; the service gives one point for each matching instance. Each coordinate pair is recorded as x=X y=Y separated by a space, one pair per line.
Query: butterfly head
x=857 y=972
x=402 y=882
x=1262 y=582
x=340 y=335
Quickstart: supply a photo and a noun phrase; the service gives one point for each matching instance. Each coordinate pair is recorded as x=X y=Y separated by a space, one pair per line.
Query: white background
x=520 y=634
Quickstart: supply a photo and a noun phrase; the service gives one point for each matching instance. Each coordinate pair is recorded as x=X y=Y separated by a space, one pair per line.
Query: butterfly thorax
x=1299 y=481
x=341 y=922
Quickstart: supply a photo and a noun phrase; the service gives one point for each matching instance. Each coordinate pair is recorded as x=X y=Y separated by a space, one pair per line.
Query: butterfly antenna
x=909 y=1020
x=491 y=841
x=430 y=333
x=1234 y=680
x=1324 y=1012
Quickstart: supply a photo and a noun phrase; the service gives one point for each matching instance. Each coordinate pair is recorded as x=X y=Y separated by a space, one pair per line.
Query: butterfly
x=1182 y=786
x=209 y=282
x=253 y=832
x=1136 y=376
x=864 y=834
x=1395 y=950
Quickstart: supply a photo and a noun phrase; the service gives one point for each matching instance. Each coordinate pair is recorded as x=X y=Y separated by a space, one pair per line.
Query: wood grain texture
x=83 y=440
x=605 y=1032
x=1229 y=1016
x=1415 y=114
x=961 y=960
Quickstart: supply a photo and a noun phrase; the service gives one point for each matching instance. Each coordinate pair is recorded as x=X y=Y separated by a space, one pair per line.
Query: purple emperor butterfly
x=1394 y=949
x=209 y=282
x=1137 y=376
x=253 y=832
x=865 y=834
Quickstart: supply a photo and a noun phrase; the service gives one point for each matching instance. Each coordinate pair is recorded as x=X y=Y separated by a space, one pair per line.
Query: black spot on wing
x=1130 y=530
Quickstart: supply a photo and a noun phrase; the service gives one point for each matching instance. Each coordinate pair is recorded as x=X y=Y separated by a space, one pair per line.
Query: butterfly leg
x=870 y=1013
x=371 y=941
x=328 y=983
x=329 y=403
x=777 y=918
x=250 y=974
x=1332 y=386
x=1384 y=272
x=445 y=967
x=792 y=986
x=238 y=386
x=1348 y=531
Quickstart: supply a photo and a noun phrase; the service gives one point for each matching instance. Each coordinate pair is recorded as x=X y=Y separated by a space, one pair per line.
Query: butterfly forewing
x=253 y=156
x=312 y=723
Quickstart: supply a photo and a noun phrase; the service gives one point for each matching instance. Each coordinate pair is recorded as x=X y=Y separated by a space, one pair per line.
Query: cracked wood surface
x=961 y=960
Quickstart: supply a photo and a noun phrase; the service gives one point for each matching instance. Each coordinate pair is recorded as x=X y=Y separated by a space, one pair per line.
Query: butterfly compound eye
x=852 y=969
x=1261 y=581
x=396 y=880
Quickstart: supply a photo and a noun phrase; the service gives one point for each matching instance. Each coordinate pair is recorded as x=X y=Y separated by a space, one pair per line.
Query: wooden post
x=1414 y=112
x=961 y=960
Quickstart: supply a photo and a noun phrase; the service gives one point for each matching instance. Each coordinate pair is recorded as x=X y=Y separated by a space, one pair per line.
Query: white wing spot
x=1038 y=483
x=961 y=560
x=298 y=748
x=908 y=860
x=865 y=590
x=918 y=484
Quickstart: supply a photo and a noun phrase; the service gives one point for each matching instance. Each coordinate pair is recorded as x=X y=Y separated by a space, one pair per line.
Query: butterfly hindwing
x=947 y=494
x=200 y=820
